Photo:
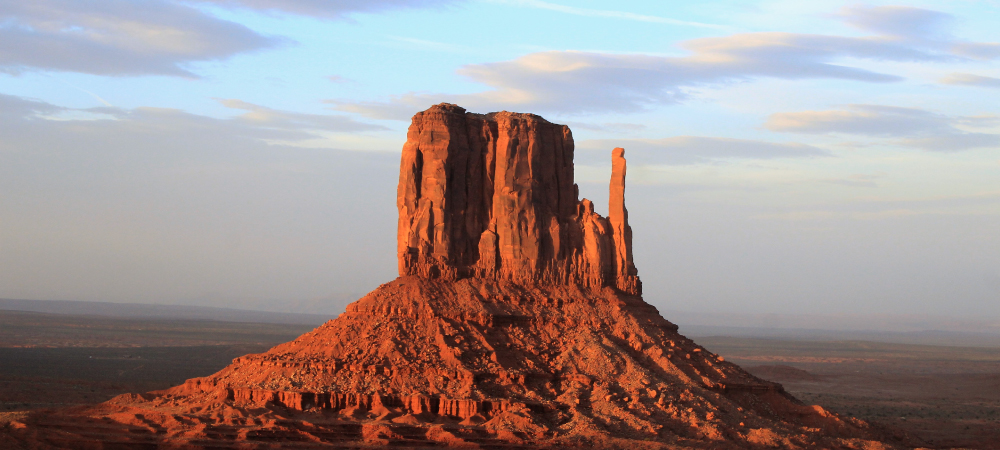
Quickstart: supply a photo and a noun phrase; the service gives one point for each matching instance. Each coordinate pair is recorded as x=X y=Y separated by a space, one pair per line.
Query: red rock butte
x=516 y=322
x=493 y=196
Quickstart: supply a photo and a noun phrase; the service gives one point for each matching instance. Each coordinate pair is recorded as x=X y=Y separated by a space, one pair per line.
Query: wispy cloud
x=91 y=94
x=264 y=117
x=151 y=37
x=911 y=127
x=27 y=123
x=117 y=37
x=537 y=4
x=326 y=9
x=582 y=82
x=679 y=150
x=899 y=22
x=609 y=127
x=968 y=79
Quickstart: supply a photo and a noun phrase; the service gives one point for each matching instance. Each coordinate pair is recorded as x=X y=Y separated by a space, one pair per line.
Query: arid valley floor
x=937 y=396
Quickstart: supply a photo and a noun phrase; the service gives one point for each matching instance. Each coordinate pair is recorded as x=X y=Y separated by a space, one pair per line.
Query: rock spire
x=493 y=196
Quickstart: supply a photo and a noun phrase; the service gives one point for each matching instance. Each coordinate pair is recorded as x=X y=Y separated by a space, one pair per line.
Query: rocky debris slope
x=516 y=323
x=475 y=362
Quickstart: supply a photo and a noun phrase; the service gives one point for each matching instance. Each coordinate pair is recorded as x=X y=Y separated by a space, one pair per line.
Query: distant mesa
x=493 y=196
x=516 y=322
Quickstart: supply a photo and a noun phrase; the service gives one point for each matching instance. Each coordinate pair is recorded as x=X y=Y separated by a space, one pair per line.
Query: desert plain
x=928 y=396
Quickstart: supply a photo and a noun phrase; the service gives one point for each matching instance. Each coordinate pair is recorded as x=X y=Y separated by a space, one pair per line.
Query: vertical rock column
x=626 y=275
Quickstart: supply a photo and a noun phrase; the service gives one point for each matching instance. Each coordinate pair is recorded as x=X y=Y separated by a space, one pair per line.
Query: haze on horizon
x=784 y=157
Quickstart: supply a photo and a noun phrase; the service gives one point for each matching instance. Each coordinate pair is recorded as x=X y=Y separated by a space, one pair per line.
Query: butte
x=516 y=322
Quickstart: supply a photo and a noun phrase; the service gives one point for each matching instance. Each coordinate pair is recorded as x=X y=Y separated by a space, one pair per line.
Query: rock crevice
x=493 y=196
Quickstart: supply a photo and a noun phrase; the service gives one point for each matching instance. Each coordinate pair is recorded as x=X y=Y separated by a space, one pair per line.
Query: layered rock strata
x=493 y=196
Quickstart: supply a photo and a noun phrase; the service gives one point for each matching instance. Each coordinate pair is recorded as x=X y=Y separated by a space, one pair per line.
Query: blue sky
x=813 y=157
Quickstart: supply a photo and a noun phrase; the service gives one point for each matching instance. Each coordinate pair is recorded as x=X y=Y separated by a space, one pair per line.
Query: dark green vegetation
x=941 y=396
x=49 y=360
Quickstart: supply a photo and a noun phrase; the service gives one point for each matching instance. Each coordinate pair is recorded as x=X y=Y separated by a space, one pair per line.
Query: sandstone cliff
x=515 y=323
x=493 y=196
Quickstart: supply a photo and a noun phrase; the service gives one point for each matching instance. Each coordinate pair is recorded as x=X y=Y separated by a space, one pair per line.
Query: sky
x=820 y=157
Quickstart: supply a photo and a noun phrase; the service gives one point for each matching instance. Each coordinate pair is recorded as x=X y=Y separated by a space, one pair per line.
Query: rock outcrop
x=515 y=323
x=493 y=196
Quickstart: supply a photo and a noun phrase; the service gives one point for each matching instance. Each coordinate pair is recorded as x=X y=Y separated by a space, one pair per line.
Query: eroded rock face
x=493 y=196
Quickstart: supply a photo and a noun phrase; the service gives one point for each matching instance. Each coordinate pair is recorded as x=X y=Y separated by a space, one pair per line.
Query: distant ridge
x=143 y=311
x=918 y=329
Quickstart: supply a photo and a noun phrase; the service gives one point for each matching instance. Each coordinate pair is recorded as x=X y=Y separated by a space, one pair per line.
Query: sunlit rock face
x=493 y=196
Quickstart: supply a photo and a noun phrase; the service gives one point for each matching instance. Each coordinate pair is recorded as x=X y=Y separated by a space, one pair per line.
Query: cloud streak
x=586 y=12
x=26 y=122
x=899 y=22
x=581 y=82
x=910 y=127
x=117 y=37
x=151 y=37
x=968 y=79
x=682 y=150
x=264 y=117
x=325 y=9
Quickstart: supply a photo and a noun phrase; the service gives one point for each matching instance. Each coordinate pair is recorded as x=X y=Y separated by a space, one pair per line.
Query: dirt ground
x=942 y=397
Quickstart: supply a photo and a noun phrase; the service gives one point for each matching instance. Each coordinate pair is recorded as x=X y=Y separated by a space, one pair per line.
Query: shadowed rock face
x=493 y=196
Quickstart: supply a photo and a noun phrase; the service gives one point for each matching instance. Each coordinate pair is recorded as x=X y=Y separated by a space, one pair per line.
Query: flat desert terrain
x=936 y=396
x=940 y=396
x=54 y=360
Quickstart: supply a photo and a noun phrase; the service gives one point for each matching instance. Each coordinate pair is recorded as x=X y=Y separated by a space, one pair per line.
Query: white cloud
x=152 y=37
x=581 y=82
x=911 y=127
x=116 y=37
x=693 y=149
